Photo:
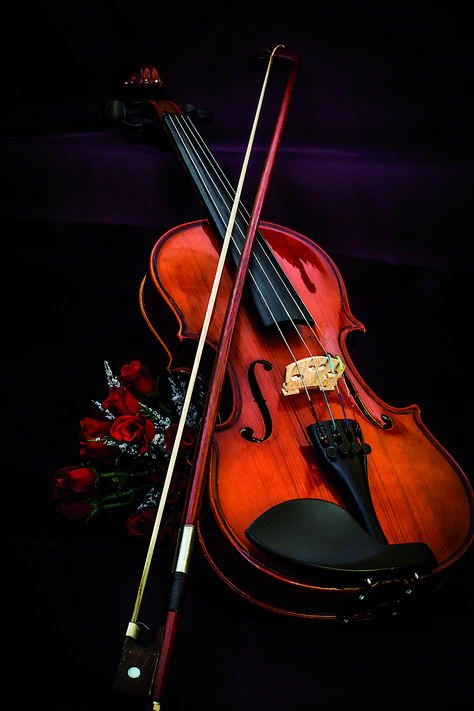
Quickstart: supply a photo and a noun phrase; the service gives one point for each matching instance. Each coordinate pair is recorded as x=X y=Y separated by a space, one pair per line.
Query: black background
x=376 y=166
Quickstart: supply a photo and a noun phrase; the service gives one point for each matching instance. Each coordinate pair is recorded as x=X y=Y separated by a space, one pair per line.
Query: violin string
x=228 y=196
x=200 y=144
x=194 y=136
x=229 y=191
x=194 y=140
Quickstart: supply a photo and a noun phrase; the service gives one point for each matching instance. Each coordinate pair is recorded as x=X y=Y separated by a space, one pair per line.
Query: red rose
x=173 y=492
x=78 y=479
x=178 y=481
x=141 y=523
x=92 y=438
x=134 y=429
x=172 y=524
x=121 y=402
x=73 y=507
x=139 y=379
x=186 y=440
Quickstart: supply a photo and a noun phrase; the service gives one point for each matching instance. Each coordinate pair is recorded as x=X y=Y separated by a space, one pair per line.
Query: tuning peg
x=116 y=111
x=135 y=122
x=196 y=115
x=118 y=114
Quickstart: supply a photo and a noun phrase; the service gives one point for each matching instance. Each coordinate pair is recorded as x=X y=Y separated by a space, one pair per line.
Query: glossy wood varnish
x=418 y=491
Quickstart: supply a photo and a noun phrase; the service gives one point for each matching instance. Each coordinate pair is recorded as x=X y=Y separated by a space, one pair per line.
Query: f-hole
x=247 y=432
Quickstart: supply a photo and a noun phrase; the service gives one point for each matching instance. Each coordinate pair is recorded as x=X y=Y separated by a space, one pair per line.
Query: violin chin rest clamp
x=322 y=538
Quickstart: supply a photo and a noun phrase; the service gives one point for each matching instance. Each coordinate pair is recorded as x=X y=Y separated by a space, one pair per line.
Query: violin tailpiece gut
x=316 y=371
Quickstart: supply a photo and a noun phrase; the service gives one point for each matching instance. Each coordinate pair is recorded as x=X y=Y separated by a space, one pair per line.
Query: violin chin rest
x=320 y=536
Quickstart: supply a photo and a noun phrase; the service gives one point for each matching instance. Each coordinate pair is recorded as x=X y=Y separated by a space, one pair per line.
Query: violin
x=318 y=499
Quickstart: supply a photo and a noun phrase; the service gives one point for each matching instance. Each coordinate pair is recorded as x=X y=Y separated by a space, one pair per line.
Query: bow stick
x=179 y=575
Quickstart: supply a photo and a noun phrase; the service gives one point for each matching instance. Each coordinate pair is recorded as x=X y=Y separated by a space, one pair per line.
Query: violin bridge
x=314 y=372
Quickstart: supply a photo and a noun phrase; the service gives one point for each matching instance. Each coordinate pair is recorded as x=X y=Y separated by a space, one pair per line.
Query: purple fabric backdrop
x=376 y=165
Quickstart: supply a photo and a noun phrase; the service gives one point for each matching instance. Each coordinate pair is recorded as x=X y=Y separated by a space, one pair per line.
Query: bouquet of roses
x=125 y=446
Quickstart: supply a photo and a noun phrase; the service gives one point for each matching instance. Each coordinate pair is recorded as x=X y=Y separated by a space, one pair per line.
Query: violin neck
x=274 y=297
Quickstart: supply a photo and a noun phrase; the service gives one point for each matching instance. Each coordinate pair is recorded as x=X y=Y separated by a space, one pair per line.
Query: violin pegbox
x=314 y=372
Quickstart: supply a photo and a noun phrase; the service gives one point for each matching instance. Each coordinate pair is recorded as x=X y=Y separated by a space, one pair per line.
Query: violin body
x=406 y=499
x=310 y=495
